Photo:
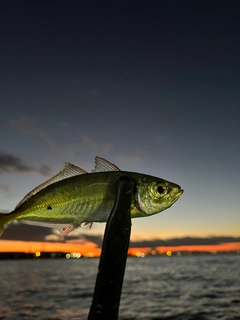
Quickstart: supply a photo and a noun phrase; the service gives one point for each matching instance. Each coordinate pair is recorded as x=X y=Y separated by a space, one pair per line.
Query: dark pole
x=108 y=287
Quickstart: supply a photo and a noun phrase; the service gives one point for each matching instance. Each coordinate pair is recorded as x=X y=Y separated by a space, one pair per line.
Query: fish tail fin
x=4 y=221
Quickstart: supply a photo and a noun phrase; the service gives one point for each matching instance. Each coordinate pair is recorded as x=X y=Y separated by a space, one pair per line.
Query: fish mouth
x=180 y=192
x=177 y=194
x=177 y=191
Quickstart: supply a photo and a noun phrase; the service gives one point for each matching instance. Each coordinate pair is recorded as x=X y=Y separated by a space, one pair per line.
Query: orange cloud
x=203 y=248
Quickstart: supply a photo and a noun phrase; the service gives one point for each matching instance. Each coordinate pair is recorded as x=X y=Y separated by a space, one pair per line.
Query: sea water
x=186 y=287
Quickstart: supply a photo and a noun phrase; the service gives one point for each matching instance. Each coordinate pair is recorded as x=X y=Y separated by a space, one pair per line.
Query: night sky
x=152 y=86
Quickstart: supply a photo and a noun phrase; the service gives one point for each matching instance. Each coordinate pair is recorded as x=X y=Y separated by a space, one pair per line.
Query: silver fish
x=73 y=197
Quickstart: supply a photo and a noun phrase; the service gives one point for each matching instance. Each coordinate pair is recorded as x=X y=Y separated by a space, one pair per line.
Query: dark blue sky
x=152 y=86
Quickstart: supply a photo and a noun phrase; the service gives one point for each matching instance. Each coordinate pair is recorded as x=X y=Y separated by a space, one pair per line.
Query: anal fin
x=64 y=229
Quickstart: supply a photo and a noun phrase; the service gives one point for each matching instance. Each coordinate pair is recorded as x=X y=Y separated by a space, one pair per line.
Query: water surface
x=194 y=287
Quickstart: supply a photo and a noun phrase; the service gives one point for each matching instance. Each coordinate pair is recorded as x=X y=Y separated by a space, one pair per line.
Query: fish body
x=73 y=197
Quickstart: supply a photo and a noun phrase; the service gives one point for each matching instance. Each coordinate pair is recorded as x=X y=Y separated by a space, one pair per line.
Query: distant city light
x=73 y=255
x=140 y=254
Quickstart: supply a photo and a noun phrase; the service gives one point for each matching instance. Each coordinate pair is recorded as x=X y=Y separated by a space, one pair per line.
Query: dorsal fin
x=102 y=164
x=69 y=170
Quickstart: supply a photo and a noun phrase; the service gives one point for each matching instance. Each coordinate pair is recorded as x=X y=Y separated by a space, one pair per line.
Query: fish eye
x=160 y=189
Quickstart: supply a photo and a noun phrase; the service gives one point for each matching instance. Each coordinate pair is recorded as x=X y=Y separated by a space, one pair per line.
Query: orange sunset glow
x=89 y=247
x=32 y=247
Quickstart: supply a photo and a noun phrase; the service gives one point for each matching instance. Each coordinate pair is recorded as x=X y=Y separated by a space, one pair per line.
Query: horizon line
x=32 y=247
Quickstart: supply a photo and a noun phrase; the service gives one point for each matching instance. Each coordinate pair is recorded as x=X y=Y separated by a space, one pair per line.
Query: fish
x=74 y=197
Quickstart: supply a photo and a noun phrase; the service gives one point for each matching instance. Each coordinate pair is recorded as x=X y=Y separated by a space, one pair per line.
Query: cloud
x=75 y=141
x=80 y=143
x=52 y=238
x=96 y=239
x=31 y=127
x=11 y=163
x=24 y=232
x=44 y=170
x=27 y=125
x=185 y=241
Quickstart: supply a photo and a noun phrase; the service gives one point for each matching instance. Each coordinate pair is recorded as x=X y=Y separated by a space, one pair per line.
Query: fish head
x=154 y=195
